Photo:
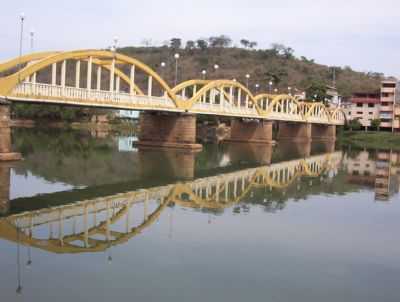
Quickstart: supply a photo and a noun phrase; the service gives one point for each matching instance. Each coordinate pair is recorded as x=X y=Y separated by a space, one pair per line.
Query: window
x=389 y=85
x=359 y=104
x=359 y=112
x=371 y=105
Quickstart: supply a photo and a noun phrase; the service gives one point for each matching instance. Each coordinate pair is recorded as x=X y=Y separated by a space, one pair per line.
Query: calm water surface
x=89 y=218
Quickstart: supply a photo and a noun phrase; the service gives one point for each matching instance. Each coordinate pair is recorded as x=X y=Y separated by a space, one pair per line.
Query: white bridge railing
x=83 y=95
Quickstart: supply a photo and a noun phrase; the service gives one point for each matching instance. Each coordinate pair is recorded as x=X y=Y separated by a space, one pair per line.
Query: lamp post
x=163 y=64
x=204 y=73
x=270 y=86
x=257 y=86
x=176 y=56
x=32 y=35
x=276 y=90
x=290 y=90
x=22 y=19
x=247 y=80
x=216 y=67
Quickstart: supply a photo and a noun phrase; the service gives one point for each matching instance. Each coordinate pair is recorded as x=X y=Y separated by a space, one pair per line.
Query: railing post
x=150 y=86
x=112 y=72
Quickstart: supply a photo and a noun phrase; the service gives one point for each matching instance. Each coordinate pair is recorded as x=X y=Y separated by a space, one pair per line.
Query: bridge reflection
x=96 y=224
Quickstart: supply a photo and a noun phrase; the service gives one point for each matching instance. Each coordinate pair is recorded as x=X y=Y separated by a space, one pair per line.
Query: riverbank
x=115 y=127
x=371 y=140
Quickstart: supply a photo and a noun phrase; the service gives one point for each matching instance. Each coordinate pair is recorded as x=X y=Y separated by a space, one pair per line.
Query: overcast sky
x=364 y=34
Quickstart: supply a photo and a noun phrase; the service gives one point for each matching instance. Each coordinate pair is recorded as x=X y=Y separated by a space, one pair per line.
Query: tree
x=221 y=41
x=355 y=124
x=202 y=44
x=253 y=44
x=190 y=45
x=376 y=124
x=245 y=43
x=317 y=91
x=175 y=43
x=282 y=50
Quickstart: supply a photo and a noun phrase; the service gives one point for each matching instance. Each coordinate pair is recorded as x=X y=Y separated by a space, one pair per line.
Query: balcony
x=388 y=89
x=386 y=108
x=386 y=125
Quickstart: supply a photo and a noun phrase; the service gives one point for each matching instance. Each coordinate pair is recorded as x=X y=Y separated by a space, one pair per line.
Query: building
x=128 y=114
x=333 y=97
x=383 y=105
x=364 y=107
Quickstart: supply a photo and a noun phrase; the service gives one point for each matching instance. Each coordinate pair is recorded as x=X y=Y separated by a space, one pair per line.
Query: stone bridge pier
x=4 y=189
x=306 y=132
x=5 y=134
x=251 y=131
x=322 y=132
x=168 y=130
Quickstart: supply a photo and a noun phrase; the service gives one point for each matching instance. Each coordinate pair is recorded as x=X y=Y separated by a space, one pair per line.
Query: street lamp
x=22 y=19
x=276 y=90
x=163 y=64
x=290 y=90
x=257 y=86
x=216 y=67
x=115 y=39
x=32 y=35
x=204 y=73
x=270 y=86
x=176 y=56
x=247 y=80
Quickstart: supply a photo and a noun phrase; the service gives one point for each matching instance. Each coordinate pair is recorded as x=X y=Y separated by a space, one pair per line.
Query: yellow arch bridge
x=96 y=78
x=98 y=224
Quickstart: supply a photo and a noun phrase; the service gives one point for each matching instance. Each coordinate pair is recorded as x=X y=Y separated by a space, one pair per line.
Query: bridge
x=98 y=224
x=105 y=79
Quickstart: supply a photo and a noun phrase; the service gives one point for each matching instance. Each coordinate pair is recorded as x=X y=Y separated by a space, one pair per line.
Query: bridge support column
x=172 y=130
x=4 y=189
x=5 y=134
x=297 y=132
x=254 y=131
x=323 y=132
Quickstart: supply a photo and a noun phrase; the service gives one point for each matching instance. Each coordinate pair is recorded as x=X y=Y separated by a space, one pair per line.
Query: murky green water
x=85 y=218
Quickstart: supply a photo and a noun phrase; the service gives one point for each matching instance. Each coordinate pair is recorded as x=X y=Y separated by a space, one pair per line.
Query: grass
x=371 y=140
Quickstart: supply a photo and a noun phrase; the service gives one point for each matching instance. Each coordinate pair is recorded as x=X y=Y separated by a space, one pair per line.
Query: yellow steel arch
x=190 y=83
x=7 y=84
x=283 y=97
x=25 y=59
x=313 y=106
x=221 y=84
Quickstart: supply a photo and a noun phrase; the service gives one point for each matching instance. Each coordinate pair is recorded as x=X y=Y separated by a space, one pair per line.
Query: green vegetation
x=278 y=64
x=371 y=140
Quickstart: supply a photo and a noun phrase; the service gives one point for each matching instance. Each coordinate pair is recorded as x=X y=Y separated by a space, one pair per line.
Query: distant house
x=383 y=105
x=128 y=114
x=334 y=99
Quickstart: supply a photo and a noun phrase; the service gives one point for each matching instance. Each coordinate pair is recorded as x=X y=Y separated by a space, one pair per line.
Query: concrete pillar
x=112 y=74
x=5 y=134
x=63 y=73
x=132 y=80
x=77 y=74
x=168 y=131
x=89 y=74
x=323 y=132
x=298 y=132
x=54 y=74
x=98 y=86
x=4 y=189
x=253 y=131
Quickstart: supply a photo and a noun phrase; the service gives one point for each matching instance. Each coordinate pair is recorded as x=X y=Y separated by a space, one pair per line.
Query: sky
x=363 y=34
